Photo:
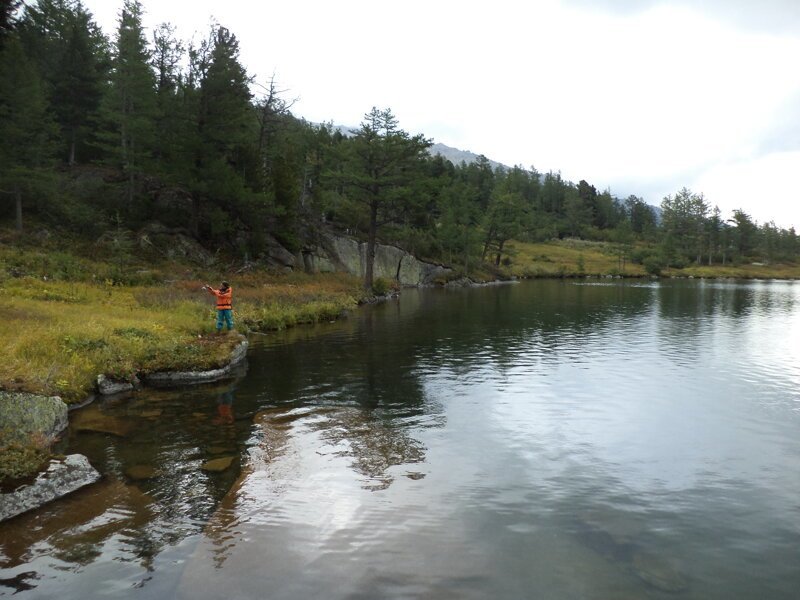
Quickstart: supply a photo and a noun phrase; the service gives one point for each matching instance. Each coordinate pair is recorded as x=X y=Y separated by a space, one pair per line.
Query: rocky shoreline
x=36 y=422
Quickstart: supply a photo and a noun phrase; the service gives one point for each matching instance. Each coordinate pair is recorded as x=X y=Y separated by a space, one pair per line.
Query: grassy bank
x=62 y=330
x=575 y=258
x=568 y=258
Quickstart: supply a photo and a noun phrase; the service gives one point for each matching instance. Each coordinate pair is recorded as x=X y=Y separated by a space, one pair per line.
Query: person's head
x=225 y=285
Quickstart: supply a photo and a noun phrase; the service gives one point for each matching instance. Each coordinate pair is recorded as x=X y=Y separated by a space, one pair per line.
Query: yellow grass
x=59 y=335
x=567 y=258
x=744 y=271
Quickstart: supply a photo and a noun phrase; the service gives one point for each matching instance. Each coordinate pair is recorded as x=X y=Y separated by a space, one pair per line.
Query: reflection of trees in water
x=692 y=312
x=374 y=444
x=699 y=299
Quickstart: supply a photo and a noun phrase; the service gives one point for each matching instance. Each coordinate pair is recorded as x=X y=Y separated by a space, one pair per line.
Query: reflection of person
x=224 y=307
x=225 y=408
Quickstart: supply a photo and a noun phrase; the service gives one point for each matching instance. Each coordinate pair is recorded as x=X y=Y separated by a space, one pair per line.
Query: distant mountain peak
x=456 y=156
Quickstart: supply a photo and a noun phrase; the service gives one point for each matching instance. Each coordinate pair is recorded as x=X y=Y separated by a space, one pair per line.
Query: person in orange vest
x=224 y=307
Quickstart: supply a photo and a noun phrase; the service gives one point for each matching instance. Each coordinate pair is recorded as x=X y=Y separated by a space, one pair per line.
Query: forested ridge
x=102 y=135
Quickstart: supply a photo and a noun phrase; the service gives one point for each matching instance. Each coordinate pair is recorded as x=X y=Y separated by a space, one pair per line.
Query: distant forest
x=100 y=134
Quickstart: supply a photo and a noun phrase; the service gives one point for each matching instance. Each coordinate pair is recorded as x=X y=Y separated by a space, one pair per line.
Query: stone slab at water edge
x=177 y=378
x=61 y=478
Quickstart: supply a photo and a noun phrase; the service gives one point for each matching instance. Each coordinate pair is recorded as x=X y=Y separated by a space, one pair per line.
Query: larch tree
x=382 y=163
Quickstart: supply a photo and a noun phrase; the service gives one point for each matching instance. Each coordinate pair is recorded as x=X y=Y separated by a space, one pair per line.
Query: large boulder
x=23 y=416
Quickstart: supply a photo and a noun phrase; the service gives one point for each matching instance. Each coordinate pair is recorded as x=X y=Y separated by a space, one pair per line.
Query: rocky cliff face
x=344 y=254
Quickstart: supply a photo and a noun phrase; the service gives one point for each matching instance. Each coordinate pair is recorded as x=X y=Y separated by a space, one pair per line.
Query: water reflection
x=586 y=439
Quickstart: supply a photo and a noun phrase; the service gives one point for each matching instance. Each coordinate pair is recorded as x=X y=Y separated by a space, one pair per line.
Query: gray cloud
x=780 y=17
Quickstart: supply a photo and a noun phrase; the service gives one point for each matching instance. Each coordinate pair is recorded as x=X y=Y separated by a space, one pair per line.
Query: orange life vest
x=223 y=298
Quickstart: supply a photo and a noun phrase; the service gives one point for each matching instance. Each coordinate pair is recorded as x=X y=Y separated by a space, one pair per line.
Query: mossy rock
x=23 y=416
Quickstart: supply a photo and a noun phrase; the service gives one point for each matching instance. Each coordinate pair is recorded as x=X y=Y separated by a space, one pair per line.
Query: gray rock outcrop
x=173 y=243
x=24 y=415
x=341 y=253
x=61 y=478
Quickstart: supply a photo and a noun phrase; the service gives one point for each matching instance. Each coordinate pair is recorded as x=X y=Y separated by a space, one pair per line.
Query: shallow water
x=548 y=439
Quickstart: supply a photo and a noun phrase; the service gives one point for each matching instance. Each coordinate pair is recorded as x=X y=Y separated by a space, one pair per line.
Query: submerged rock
x=217 y=465
x=61 y=478
x=622 y=527
x=658 y=572
x=92 y=420
x=140 y=472
x=25 y=415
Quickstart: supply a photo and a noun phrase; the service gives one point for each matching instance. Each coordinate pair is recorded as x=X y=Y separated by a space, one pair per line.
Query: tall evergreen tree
x=381 y=165
x=72 y=56
x=171 y=118
x=26 y=129
x=224 y=126
x=131 y=103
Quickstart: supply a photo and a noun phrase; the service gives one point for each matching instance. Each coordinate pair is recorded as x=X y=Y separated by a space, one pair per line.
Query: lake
x=547 y=439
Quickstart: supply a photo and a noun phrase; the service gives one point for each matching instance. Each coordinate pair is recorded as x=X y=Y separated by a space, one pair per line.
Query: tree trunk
x=72 y=149
x=373 y=230
x=499 y=253
x=18 y=199
x=489 y=236
x=194 y=218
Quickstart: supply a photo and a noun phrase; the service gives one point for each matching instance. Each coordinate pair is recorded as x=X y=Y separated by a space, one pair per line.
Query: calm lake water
x=549 y=439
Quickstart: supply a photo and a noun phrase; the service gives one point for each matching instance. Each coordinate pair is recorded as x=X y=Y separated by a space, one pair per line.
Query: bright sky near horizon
x=638 y=96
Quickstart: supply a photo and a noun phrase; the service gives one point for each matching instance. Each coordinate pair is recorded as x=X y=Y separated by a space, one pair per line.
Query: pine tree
x=71 y=54
x=225 y=126
x=171 y=119
x=26 y=129
x=381 y=165
x=131 y=104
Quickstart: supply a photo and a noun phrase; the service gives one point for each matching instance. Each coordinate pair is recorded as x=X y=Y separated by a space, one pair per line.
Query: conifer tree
x=71 y=54
x=171 y=117
x=131 y=104
x=26 y=129
x=381 y=165
x=225 y=126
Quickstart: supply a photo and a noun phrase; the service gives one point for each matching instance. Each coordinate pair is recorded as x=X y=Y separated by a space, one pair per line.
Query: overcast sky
x=639 y=96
